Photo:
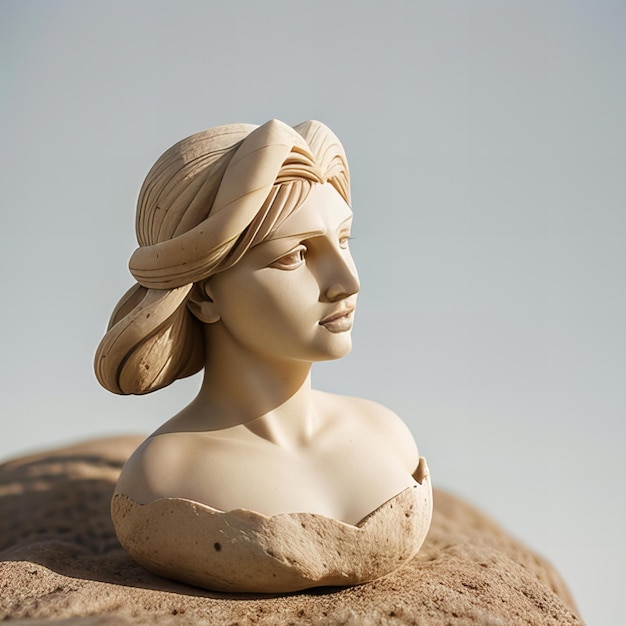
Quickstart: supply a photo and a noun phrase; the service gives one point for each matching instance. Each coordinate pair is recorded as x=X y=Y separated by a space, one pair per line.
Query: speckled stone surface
x=60 y=561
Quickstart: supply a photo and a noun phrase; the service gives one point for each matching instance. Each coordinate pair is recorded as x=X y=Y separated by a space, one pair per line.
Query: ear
x=201 y=304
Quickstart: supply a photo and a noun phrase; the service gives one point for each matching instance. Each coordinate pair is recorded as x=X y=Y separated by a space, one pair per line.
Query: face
x=293 y=296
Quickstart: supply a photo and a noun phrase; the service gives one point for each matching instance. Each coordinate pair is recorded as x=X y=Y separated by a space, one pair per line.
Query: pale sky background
x=487 y=144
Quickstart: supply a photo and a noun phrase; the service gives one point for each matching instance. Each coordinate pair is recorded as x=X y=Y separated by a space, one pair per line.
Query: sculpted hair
x=205 y=202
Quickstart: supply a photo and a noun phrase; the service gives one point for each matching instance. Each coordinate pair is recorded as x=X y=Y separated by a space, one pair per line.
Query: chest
x=345 y=480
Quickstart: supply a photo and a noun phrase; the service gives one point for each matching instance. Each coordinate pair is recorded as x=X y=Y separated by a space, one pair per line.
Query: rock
x=60 y=559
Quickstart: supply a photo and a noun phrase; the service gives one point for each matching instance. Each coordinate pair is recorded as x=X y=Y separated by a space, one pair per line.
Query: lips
x=339 y=321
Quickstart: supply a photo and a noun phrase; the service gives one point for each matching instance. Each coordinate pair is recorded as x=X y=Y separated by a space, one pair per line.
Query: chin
x=334 y=352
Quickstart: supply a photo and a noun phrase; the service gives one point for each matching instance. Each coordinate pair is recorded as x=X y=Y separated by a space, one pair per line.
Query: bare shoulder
x=374 y=420
x=154 y=470
x=137 y=478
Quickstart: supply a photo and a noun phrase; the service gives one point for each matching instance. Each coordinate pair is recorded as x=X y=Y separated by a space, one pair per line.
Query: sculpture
x=260 y=484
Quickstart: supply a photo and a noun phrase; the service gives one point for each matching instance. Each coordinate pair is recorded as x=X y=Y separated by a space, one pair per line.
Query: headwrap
x=205 y=202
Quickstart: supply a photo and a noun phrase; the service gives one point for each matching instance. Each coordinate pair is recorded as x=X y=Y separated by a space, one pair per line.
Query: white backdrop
x=487 y=143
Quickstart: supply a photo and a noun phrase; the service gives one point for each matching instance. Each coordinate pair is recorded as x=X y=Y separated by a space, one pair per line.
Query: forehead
x=324 y=211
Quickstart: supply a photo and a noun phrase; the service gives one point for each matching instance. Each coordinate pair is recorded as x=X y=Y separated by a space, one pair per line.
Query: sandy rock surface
x=60 y=562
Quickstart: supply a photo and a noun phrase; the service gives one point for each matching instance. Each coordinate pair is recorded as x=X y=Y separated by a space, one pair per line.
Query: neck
x=270 y=397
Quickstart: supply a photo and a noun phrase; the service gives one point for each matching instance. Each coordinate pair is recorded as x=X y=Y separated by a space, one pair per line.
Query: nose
x=342 y=279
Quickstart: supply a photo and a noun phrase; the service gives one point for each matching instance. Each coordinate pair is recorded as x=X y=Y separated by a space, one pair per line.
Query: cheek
x=288 y=297
x=269 y=305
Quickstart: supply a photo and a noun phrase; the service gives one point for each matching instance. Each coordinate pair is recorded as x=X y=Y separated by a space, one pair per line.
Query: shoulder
x=155 y=469
x=137 y=479
x=375 y=420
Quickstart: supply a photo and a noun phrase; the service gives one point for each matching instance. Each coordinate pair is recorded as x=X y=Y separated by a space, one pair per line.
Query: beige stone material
x=60 y=561
x=244 y=270
x=200 y=545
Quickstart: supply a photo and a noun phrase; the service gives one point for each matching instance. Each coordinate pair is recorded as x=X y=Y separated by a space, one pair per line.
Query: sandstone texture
x=60 y=562
x=251 y=552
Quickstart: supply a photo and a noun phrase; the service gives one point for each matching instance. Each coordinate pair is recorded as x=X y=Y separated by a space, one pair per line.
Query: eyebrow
x=307 y=234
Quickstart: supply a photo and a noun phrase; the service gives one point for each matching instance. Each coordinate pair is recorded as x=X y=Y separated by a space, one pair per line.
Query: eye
x=292 y=260
x=344 y=241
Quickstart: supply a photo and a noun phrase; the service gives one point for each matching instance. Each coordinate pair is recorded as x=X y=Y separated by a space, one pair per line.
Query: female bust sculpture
x=244 y=269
